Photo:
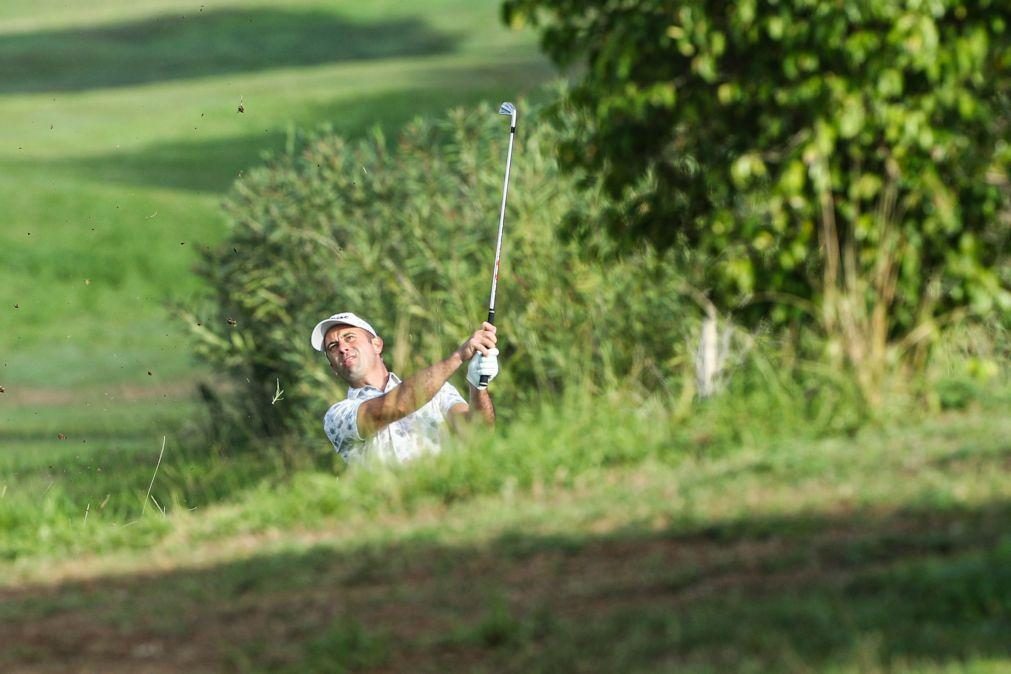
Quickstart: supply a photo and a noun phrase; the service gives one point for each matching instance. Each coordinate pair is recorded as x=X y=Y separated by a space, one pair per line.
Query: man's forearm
x=414 y=391
x=481 y=406
x=419 y=388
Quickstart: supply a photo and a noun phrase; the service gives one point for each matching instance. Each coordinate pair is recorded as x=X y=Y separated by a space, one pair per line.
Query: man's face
x=352 y=352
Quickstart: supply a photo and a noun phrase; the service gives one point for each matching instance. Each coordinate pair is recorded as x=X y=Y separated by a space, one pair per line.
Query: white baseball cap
x=346 y=318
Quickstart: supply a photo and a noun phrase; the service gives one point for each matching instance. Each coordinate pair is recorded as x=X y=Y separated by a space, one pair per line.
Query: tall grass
x=97 y=502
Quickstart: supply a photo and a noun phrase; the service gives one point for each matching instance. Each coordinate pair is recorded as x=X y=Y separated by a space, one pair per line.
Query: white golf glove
x=481 y=364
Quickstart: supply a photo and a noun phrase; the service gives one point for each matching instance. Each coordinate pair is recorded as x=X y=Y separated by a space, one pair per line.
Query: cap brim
x=319 y=332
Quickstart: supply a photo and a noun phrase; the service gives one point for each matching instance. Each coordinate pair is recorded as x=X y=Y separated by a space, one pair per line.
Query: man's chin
x=351 y=378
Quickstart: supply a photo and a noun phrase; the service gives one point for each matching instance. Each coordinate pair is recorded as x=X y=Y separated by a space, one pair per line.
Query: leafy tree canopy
x=851 y=156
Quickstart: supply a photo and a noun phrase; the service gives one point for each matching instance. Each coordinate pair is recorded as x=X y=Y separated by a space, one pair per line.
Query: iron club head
x=508 y=108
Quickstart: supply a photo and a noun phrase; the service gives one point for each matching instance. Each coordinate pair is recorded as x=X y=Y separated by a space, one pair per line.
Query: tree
x=842 y=161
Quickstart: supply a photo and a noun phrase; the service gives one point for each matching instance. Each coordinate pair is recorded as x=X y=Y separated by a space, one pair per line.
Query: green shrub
x=838 y=166
x=403 y=233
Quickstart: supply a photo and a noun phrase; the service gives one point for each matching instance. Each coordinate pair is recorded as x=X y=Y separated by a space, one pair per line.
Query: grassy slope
x=889 y=551
x=121 y=132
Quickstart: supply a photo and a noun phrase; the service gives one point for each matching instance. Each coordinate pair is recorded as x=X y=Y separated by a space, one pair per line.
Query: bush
x=403 y=233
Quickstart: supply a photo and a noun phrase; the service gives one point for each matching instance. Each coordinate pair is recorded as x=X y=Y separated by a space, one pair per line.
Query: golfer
x=390 y=419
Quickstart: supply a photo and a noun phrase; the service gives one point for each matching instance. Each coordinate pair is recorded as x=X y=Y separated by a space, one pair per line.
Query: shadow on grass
x=213 y=165
x=854 y=592
x=201 y=44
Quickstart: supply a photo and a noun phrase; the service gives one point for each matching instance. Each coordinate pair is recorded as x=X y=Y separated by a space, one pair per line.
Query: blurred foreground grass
x=597 y=534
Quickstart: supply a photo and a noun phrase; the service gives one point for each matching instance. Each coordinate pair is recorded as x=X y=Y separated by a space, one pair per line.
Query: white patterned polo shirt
x=420 y=432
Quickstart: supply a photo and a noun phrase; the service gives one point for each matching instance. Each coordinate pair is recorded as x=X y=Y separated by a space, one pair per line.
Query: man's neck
x=377 y=378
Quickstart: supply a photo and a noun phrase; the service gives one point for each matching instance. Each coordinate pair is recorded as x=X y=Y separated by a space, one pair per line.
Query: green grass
x=122 y=132
x=557 y=544
x=210 y=43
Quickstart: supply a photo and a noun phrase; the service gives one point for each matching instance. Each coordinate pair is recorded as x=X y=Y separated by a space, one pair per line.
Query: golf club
x=504 y=109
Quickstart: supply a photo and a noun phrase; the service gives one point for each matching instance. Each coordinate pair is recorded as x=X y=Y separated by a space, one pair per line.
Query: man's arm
x=416 y=390
x=479 y=406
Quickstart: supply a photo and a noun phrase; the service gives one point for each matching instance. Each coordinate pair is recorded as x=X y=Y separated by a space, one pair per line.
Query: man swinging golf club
x=391 y=419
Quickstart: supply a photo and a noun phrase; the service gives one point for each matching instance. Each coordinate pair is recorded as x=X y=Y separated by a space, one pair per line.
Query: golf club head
x=508 y=108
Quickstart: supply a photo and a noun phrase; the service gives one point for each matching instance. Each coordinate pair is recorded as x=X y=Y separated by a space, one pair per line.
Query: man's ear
x=378 y=343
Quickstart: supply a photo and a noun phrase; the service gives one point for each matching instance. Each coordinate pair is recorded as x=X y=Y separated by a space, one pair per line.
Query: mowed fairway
x=121 y=131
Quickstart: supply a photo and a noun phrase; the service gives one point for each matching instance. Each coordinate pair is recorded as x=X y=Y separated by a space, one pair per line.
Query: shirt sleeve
x=447 y=397
x=341 y=425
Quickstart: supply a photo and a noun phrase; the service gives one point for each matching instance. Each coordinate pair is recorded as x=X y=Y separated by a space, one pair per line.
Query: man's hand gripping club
x=483 y=355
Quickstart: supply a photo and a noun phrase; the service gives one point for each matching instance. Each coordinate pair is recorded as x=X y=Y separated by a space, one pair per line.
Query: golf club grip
x=483 y=380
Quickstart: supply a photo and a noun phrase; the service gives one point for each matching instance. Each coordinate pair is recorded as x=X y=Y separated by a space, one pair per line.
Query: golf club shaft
x=501 y=229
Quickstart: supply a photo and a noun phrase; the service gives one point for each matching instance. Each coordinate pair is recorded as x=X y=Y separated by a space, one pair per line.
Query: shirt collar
x=391 y=382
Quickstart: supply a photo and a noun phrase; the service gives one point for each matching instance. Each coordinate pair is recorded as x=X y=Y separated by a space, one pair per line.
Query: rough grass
x=558 y=544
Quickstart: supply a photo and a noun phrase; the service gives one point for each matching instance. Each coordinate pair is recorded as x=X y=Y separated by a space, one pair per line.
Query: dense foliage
x=403 y=234
x=839 y=161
